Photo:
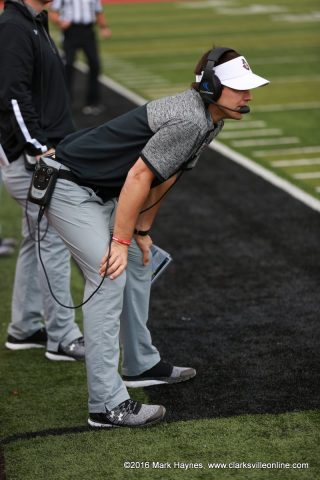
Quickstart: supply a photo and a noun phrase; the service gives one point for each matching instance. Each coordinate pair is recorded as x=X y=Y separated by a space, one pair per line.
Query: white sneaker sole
x=59 y=358
x=151 y=382
x=100 y=425
x=23 y=346
x=143 y=383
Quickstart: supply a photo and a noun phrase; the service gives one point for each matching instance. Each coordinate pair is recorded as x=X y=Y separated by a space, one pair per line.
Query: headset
x=210 y=87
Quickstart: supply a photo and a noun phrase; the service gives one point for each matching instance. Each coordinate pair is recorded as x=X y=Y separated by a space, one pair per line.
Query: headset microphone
x=243 y=110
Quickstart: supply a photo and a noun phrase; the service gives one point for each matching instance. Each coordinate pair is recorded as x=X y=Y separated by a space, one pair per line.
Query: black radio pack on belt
x=43 y=182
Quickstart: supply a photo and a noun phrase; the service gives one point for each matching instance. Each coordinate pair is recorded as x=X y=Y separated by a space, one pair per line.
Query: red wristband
x=121 y=241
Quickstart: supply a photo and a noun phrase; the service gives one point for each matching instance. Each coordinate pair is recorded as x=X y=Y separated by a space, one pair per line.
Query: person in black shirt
x=34 y=117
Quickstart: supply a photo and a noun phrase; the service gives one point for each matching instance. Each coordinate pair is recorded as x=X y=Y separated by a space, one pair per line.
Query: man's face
x=38 y=5
x=234 y=99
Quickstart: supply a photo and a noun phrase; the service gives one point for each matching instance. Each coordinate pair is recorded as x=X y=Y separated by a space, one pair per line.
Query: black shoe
x=37 y=340
x=75 y=351
x=128 y=414
x=161 y=373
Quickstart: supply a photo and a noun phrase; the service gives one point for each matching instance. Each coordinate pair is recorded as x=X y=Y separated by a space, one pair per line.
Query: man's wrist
x=141 y=233
x=121 y=241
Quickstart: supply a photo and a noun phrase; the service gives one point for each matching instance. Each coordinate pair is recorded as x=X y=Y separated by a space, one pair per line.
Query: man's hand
x=144 y=243
x=117 y=263
x=48 y=152
x=105 y=32
x=64 y=24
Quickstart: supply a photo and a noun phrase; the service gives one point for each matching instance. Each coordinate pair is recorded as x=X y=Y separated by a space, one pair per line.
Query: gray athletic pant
x=84 y=222
x=31 y=299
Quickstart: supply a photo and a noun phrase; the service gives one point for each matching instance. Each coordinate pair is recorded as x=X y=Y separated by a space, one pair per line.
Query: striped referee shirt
x=77 y=11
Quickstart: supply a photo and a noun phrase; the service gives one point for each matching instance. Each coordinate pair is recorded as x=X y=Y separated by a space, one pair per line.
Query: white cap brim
x=238 y=75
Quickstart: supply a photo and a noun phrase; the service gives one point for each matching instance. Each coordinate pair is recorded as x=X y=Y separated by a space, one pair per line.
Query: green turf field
x=155 y=47
x=38 y=397
x=49 y=397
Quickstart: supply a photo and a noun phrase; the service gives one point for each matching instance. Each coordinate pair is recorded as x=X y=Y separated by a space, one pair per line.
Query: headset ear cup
x=216 y=88
x=210 y=87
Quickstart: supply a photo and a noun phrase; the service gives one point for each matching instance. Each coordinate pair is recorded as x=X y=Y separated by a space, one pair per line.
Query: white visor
x=238 y=75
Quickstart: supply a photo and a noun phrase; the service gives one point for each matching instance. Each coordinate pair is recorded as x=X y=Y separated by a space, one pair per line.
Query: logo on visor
x=245 y=64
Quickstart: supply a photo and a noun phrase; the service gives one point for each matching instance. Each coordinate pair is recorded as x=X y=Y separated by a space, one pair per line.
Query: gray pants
x=84 y=222
x=31 y=299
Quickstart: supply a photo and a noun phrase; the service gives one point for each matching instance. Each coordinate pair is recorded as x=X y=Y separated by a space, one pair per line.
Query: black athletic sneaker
x=128 y=414
x=37 y=340
x=161 y=373
x=71 y=353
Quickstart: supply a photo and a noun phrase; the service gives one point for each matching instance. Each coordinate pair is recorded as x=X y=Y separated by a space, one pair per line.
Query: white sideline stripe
x=266 y=175
x=262 y=132
x=306 y=175
x=287 y=151
x=229 y=153
x=265 y=141
x=133 y=97
x=279 y=107
x=108 y=82
x=296 y=163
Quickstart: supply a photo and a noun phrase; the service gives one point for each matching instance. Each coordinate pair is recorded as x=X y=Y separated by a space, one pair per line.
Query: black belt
x=67 y=175
x=106 y=193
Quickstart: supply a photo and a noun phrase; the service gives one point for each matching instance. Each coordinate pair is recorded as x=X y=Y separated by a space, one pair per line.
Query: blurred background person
x=77 y=20
x=34 y=117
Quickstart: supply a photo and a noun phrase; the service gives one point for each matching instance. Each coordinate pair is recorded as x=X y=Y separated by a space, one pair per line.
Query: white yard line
x=282 y=107
x=306 y=175
x=265 y=141
x=296 y=79
x=232 y=125
x=289 y=59
x=296 y=163
x=286 y=151
x=262 y=132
